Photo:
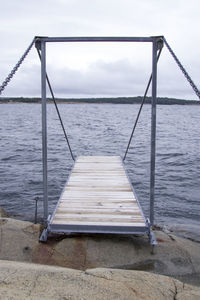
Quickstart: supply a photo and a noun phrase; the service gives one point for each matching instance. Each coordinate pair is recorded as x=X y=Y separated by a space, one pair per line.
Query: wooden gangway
x=98 y=198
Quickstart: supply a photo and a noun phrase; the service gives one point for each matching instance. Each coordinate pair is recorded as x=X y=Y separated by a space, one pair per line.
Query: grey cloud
x=101 y=78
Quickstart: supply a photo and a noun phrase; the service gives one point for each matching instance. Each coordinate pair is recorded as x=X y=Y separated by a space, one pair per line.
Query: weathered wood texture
x=98 y=192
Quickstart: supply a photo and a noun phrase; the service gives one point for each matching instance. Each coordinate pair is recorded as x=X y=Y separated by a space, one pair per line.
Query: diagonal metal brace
x=160 y=46
x=38 y=47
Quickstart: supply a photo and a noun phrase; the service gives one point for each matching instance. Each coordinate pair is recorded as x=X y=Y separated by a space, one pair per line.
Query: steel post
x=153 y=130
x=44 y=130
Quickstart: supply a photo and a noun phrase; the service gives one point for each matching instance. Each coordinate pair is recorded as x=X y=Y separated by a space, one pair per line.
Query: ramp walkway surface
x=98 y=198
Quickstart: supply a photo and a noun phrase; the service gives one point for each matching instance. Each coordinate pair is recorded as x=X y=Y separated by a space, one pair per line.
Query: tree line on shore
x=117 y=100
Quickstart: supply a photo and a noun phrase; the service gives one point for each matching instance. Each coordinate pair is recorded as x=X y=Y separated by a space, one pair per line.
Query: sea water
x=102 y=129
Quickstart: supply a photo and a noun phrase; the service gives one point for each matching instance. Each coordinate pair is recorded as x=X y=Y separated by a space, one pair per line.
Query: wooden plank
x=69 y=197
x=97 y=210
x=101 y=193
x=93 y=187
x=98 y=183
x=99 y=218
x=98 y=159
x=101 y=202
x=93 y=197
x=98 y=180
x=96 y=214
x=97 y=205
x=131 y=224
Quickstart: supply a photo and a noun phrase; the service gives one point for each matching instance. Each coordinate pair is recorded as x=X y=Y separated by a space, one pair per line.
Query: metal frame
x=41 y=43
x=96 y=39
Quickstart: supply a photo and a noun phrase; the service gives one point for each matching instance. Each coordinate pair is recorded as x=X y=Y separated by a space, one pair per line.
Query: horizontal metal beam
x=63 y=228
x=95 y=39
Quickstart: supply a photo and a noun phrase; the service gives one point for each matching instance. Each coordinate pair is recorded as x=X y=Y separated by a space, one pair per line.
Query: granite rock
x=32 y=281
x=174 y=256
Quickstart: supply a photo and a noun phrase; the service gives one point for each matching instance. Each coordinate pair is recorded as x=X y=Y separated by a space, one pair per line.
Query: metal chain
x=16 y=67
x=196 y=90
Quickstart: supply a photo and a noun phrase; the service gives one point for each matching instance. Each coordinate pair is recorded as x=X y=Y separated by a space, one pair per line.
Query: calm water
x=102 y=129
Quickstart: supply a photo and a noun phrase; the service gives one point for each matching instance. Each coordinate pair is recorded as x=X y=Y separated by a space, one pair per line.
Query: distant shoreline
x=118 y=100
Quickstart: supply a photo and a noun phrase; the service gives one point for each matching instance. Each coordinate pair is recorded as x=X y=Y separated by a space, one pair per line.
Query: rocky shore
x=30 y=281
x=95 y=266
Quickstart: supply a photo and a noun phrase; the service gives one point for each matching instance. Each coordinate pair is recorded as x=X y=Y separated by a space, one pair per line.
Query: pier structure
x=98 y=196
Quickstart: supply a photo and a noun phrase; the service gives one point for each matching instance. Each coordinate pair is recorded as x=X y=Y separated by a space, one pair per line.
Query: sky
x=100 y=69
